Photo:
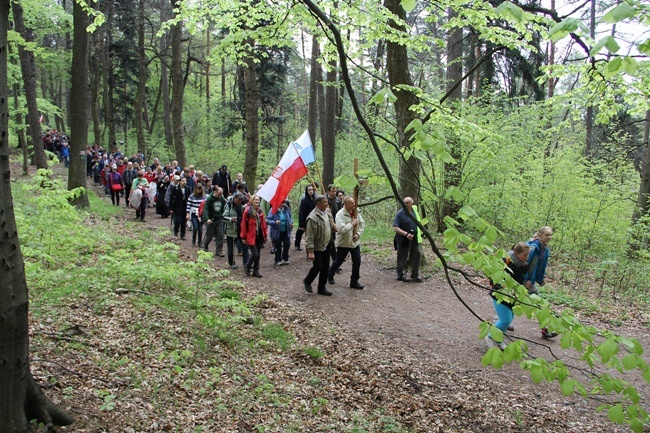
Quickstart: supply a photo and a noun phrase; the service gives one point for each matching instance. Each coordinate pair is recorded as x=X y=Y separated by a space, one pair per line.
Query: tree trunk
x=108 y=82
x=643 y=201
x=177 y=90
x=315 y=75
x=28 y=69
x=589 y=117
x=328 y=140
x=142 y=82
x=79 y=102
x=452 y=173
x=94 y=89
x=22 y=143
x=252 y=134
x=397 y=65
x=164 y=80
x=20 y=399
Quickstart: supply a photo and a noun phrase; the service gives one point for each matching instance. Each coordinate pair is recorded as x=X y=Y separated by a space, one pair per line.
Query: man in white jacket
x=350 y=225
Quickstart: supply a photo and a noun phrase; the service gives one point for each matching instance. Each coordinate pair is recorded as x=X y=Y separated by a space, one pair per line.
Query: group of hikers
x=329 y=222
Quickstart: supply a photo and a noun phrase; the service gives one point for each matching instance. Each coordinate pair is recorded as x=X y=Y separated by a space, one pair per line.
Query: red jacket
x=249 y=225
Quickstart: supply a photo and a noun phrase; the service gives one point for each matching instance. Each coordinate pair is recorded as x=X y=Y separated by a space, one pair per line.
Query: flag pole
x=320 y=177
x=355 y=193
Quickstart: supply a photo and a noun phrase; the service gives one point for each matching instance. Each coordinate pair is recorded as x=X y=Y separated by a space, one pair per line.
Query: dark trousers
x=142 y=209
x=115 y=197
x=341 y=255
x=214 y=230
x=127 y=192
x=254 y=258
x=319 y=268
x=282 y=247
x=299 y=234
x=231 y=243
x=179 y=223
x=404 y=253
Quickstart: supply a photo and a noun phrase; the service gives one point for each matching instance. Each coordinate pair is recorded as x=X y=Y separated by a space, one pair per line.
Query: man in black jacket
x=178 y=206
x=222 y=178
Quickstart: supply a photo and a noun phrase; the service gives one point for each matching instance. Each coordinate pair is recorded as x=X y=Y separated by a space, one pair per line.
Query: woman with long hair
x=254 y=234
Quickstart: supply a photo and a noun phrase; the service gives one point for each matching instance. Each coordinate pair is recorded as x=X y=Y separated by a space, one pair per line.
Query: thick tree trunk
x=94 y=89
x=28 y=69
x=252 y=134
x=397 y=65
x=108 y=82
x=164 y=80
x=452 y=173
x=142 y=82
x=20 y=399
x=329 y=139
x=178 y=89
x=79 y=104
x=643 y=201
x=315 y=75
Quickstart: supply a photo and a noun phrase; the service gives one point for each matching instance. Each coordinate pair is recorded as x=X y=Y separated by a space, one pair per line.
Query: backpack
x=201 y=206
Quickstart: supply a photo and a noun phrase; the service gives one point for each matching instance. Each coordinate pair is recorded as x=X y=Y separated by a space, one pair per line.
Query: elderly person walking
x=350 y=225
x=318 y=232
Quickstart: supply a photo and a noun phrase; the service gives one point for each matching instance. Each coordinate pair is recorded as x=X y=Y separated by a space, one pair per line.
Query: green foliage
x=313 y=352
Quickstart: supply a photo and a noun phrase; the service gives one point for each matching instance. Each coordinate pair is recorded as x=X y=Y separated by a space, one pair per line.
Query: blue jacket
x=274 y=227
x=537 y=262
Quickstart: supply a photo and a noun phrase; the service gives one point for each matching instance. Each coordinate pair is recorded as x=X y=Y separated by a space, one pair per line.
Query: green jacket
x=230 y=217
x=213 y=208
x=318 y=231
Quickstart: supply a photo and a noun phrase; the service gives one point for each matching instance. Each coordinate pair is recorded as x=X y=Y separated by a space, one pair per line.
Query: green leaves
x=382 y=95
x=408 y=5
x=607 y=41
x=564 y=28
x=508 y=10
x=619 y=13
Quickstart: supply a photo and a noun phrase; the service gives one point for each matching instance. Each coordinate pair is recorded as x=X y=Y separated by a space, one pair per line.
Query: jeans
x=319 y=268
x=282 y=247
x=197 y=228
x=341 y=254
x=505 y=315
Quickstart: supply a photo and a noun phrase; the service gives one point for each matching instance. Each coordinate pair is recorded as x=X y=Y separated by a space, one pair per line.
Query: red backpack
x=200 y=211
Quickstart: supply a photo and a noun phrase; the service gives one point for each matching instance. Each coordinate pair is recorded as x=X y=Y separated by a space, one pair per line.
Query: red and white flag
x=291 y=168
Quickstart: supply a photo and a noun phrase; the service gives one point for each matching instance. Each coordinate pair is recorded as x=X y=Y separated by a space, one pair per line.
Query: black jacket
x=178 y=202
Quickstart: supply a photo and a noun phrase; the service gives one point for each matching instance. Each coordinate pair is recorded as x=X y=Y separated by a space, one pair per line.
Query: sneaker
x=233 y=267
x=491 y=343
x=278 y=263
x=511 y=328
x=285 y=262
x=219 y=254
x=547 y=335
x=298 y=249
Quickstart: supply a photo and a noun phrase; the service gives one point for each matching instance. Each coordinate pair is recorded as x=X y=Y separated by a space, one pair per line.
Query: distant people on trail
x=280 y=224
x=537 y=263
x=350 y=226
x=318 y=232
x=116 y=185
x=128 y=177
x=187 y=174
x=193 y=204
x=65 y=154
x=239 y=181
x=142 y=186
x=213 y=209
x=407 y=242
x=161 y=191
x=307 y=204
x=178 y=207
x=254 y=234
x=517 y=262
x=222 y=178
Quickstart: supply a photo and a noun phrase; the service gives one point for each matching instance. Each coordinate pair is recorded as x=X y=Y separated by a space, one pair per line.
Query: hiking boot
x=402 y=278
x=307 y=286
x=247 y=271
x=547 y=335
x=330 y=279
x=323 y=291
x=356 y=286
x=257 y=274
x=417 y=280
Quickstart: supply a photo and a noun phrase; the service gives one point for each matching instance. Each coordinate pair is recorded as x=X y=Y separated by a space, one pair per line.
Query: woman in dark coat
x=161 y=206
x=307 y=204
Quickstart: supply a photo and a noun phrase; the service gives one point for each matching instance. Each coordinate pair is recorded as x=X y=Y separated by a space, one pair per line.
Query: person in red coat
x=253 y=233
